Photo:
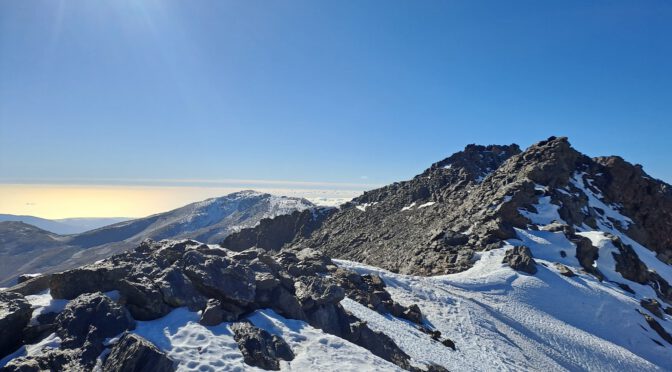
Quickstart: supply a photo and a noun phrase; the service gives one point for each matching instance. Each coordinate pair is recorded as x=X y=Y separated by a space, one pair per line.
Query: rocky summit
x=494 y=258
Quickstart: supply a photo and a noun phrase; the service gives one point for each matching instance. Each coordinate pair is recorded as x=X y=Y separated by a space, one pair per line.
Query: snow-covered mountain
x=210 y=221
x=493 y=259
x=64 y=226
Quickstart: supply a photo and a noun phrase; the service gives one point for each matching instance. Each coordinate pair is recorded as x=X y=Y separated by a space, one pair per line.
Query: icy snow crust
x=199 y=348
x=503 y=320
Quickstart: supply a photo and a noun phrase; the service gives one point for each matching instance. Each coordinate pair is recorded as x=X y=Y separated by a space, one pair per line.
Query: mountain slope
x=434 y=223
x=210 y=221
x=63 y=226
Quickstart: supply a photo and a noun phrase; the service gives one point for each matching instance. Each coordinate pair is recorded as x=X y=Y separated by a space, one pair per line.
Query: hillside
x=209 y=221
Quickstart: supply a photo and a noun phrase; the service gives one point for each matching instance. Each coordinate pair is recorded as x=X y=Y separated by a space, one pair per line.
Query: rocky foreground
x=225 y=286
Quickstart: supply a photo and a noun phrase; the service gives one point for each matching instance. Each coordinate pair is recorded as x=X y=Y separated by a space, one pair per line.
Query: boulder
x=15 y=313
x=260 y=348
x=520 y=259
x=653 y=306
x=91 y=318
x=219 y=277
x=564 y=270
x=178 y=290
x=142 y=298
x=100 y=277
x=133 y=353
x=217 y=312
x=53 y=360
x=317 y=290
x=658 y=328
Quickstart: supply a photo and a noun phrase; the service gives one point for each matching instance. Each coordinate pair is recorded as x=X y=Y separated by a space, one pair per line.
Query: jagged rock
x=658 y=328
x=142 y=298
x=377 y=343
x=260 y=348
x=178 y=290
x=55 y=360
x=272 y=233
x=653 y=306
x=448 y=343
x=132 y=353
x=520 y=259
x=32 y=285
x=647 y=201
x=286 y=304
x=220 y=277
x=91 y=318
x=316 y=291
x=628 y=263
x=413 y=314
x=15 y=313
x=564 y=270
x=217 y=312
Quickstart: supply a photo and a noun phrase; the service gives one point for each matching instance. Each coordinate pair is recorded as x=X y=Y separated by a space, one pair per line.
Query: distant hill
x=28 y=249
x=64 y=226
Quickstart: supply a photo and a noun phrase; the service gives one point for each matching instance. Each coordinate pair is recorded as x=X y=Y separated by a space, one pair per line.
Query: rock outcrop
x=15 y=313
x=157 y=277
x=260 y=348
x=132 y=353
x=520 y=259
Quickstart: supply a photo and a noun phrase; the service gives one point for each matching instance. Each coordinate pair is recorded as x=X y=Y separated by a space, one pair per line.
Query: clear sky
x=340 y=94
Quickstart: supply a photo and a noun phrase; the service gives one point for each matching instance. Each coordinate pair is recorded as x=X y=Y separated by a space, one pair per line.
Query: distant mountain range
x=64 y=226
x=28 y=248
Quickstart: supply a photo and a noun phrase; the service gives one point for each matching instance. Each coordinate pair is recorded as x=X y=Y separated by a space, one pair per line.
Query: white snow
x=426 y=205
x=504 y=320
x=50 y=342
x=595 y=201
x=410 y=206
x=362 y=207
x=199 y=348
x=547 y=212
x=43 y=304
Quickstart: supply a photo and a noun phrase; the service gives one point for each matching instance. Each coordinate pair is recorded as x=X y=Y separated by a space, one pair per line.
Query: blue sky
x=343 y=91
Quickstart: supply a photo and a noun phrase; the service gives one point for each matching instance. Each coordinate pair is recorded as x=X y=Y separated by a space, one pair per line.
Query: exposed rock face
x=475 y=199
x=272 y=233
x=647 y=201
x=15 y=313
x=658 y=328
x=520 y=259
x=132 y=353
x=430 y=242
x=260 y=348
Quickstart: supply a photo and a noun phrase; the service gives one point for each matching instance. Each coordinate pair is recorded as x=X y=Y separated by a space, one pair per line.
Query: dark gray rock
x=133 y=353
x=260 y=348
x=220 y=277
x=564 y=270
x=70 y=360
x=658 y=328
x=217 y=312
x=520 y=259
x=91 y=318
x=178 y=290
x=315 y=291
x=653 y=306
x=15 y=313
x=272 y=233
